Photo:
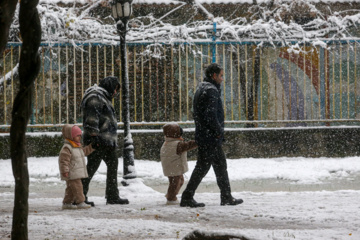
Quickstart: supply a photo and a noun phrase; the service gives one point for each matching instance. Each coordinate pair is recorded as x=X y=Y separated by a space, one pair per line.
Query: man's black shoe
x=190 y=203
x=117 y=201
x=231 y=201
x=89 y=203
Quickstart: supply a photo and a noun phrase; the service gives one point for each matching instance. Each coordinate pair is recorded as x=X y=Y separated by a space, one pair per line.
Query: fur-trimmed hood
x=66 y=131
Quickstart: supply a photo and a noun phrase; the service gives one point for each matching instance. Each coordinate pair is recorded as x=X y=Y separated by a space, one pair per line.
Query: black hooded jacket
x=98 y=113
x=208 y=114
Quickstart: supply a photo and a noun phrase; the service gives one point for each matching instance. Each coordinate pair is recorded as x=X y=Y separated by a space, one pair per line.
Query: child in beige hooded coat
x=173 y=155
x=72 y=167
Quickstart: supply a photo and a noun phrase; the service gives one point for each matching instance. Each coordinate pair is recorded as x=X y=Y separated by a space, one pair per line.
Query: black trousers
x=209 y=156
x=111 y=160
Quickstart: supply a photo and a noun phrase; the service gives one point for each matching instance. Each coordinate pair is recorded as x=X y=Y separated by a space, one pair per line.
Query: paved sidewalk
x=312 y=199
x=264 y=215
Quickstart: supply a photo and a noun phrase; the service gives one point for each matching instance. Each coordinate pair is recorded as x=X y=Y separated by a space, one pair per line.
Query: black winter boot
x=231 y=201
x=117 y=201
x=89 y=203
x=190 y=203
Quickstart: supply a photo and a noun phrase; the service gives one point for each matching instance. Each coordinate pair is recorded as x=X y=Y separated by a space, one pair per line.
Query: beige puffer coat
x=72 y=157
x=173 y=153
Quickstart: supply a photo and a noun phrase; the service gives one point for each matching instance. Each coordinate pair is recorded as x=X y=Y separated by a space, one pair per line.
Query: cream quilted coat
x=72 y=157
x=173 y=153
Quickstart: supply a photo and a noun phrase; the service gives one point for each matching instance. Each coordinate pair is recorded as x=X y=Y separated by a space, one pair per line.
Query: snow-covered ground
x=284 y=198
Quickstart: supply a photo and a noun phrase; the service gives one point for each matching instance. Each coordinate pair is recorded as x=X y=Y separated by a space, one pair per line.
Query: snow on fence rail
x=264 y=84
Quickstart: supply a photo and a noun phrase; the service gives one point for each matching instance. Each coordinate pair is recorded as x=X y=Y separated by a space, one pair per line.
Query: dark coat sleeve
x=211 y=111
x=92 y=111
x=185 y=146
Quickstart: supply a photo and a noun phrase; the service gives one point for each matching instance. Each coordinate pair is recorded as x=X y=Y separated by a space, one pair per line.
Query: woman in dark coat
x=100 y=128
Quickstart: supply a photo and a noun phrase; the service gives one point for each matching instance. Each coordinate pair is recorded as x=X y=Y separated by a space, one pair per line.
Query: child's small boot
x=68 y=206
x=83 y=205
x=176 y=202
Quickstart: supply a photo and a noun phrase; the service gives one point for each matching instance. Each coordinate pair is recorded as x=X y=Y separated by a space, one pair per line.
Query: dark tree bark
x=200 y=235
x=256 y=82
x=7 y=10
x=29 y=67
x=253 y=89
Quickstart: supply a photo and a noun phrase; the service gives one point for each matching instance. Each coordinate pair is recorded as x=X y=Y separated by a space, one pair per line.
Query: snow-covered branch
x=280 y=21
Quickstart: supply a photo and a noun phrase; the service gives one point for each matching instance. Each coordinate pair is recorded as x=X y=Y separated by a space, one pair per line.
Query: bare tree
x=7 y=10
x=30 y=30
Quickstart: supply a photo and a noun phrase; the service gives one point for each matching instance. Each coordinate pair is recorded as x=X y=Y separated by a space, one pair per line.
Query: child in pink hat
x=72 y=167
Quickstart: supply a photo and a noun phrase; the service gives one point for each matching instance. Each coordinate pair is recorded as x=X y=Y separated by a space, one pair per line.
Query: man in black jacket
x=209 y=135
x=100 y=129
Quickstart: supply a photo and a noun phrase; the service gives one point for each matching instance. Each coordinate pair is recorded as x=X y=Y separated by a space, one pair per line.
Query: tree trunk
x=7 y=10
x=253 y=87
x=29 y=67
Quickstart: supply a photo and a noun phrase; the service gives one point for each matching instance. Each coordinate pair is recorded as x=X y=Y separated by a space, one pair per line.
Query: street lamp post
x=121 y=11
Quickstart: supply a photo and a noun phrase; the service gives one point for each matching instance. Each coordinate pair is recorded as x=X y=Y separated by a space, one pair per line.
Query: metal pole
x=5 y=88
x=214 y=44
x=128 y=150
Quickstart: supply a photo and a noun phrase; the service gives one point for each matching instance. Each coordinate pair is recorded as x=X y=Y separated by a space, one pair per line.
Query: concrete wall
x=240 y=143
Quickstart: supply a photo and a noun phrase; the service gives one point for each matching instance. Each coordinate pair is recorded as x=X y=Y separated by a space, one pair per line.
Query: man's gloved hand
x=95 y=142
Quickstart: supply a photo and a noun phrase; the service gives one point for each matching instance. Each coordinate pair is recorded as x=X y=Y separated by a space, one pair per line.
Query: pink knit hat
x=75 y=131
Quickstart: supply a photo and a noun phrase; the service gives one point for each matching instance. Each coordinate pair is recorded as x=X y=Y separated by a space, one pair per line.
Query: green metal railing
x=264 y=85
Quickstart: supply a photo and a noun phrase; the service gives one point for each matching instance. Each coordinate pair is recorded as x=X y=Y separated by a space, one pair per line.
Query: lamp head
x=121 y=9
